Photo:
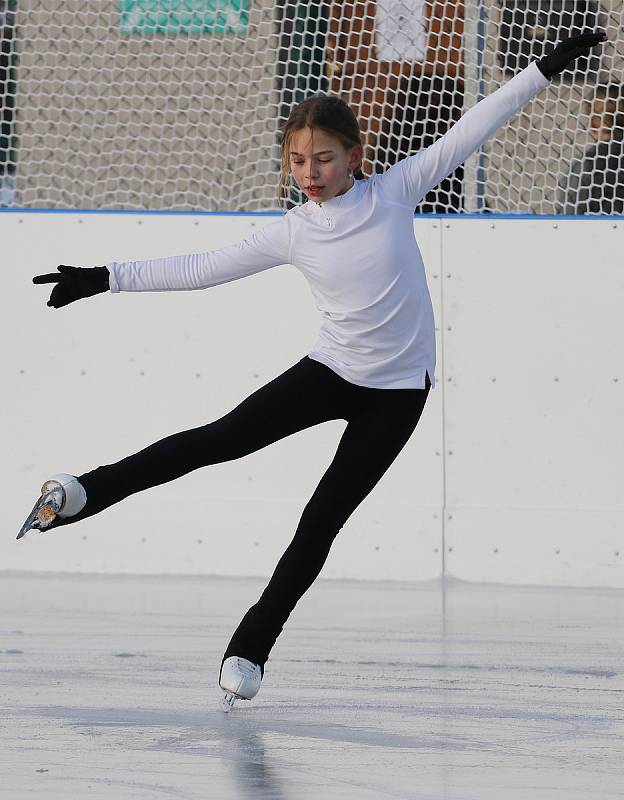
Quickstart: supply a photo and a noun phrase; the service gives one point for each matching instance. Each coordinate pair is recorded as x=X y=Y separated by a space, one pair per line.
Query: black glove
x=568 y=50
x=73 y=283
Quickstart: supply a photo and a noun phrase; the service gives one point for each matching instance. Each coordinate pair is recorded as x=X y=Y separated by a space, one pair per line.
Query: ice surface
x=374 y=690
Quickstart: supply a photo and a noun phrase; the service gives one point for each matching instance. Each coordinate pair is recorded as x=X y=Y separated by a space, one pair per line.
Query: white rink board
x=98 y=380
x=511 y=476
x=534 y=390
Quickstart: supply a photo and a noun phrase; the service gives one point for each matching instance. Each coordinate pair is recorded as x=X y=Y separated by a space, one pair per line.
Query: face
x=318 y=159
x=601 y=119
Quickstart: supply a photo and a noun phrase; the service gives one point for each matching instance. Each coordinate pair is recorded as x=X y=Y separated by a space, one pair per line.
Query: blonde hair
x=325 y=112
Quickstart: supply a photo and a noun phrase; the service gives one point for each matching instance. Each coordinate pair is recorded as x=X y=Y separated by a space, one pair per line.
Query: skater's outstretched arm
x=267 y=247
x=409 y=180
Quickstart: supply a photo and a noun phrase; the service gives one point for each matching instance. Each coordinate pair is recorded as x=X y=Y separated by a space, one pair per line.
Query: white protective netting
x=176 y=104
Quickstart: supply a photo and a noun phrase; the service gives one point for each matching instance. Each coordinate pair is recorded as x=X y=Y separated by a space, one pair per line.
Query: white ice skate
x=240 y=680
x=61 y=495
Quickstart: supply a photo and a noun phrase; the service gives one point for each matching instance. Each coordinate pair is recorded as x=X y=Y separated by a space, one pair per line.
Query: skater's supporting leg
x=305 y=395
x=371 y=441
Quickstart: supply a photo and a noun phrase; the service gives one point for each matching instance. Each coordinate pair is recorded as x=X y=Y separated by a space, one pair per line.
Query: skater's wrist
x=103 y=278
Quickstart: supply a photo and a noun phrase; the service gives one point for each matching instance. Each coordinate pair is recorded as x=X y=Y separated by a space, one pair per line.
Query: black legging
x=379 y=423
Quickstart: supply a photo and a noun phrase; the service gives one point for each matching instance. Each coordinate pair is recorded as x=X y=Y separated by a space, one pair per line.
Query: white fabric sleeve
x=267 y=247
x=409 y=180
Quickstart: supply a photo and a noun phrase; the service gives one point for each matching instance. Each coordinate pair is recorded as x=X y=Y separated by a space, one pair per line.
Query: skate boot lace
x=248 y=669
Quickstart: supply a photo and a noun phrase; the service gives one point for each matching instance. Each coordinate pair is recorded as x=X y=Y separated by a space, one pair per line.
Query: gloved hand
x=73 y=283
x=568 y=51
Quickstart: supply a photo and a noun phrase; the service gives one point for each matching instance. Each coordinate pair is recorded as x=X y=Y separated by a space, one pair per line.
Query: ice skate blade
x=228 y=700
x=44 y=511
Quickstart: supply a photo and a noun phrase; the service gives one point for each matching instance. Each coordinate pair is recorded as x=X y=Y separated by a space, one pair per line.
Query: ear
x=357 y=155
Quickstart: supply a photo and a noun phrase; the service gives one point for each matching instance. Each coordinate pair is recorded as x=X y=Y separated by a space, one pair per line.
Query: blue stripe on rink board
x=277 y=214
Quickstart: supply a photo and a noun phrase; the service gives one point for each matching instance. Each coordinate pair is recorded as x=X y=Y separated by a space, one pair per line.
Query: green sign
x=168 y=17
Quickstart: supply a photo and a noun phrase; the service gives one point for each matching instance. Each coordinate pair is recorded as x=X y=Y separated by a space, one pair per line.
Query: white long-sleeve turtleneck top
x=359 y=254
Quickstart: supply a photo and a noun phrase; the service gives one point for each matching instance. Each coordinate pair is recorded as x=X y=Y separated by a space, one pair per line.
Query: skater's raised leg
x=303 y=396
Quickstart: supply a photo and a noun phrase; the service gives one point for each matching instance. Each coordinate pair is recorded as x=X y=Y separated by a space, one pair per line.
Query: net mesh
x=177 y=104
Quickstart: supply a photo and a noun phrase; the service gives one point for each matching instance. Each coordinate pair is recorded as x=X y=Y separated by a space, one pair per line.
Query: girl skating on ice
x=373 y=363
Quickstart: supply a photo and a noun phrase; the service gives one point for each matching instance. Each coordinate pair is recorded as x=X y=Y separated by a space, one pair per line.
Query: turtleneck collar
x=343 y=201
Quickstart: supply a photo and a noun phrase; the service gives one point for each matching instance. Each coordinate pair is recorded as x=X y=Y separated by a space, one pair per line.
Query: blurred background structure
x=170 y=104
x=8 y=142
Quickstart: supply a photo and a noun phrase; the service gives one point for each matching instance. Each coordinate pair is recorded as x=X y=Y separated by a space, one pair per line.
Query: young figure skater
x=374 y=361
